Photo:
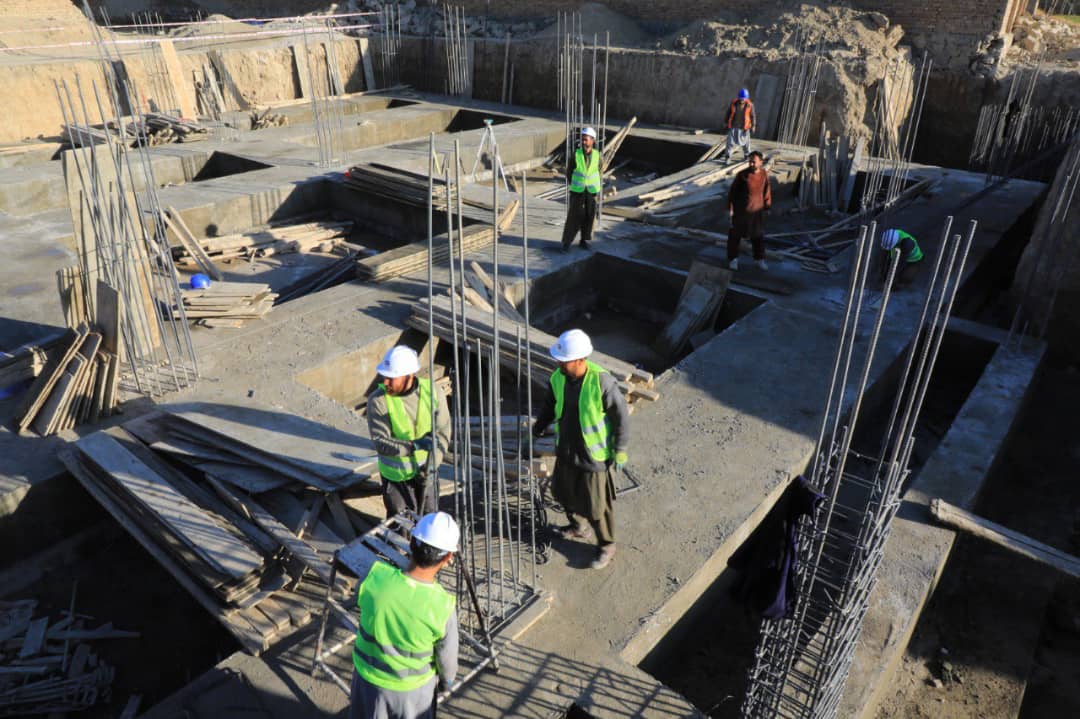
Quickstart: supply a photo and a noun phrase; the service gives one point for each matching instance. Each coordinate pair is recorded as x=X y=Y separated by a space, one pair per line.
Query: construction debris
x=267 y=118
x=321 y=235
x=51 y=668
x=224 y=304
x=178 y=481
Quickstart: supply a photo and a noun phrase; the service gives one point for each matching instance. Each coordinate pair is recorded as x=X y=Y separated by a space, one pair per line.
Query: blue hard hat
x=200 y=282
x=744 y=94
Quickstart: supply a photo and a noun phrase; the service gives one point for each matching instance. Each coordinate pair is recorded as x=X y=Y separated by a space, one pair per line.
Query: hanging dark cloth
x=766 y=561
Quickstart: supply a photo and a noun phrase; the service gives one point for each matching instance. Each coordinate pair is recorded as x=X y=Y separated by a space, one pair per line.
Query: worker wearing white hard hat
x=592 y=433
x=409 y=443
x=407 y=640
x=897 y=243
x=583 y=170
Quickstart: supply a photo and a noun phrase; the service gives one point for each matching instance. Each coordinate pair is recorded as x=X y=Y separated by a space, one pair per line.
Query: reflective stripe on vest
x=591 y=415
x=916 y=252
x=401 y=619
x=400 y=469
x=586 y=176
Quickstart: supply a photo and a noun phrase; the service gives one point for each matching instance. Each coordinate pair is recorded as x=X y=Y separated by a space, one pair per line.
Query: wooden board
x=255 y=480
x=184 y=93
x=54 y=368
x=695 y=306
x=217 y=547
x=316 y=448
x=187 y=239
x=107 y=317
x=251 y=640
x=303 y=73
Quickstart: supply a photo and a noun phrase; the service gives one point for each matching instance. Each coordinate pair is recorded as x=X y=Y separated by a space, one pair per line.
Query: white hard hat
x=400 y=361
x=589 y=132
x=572 y=345
x=890 y=239
x=438 y=530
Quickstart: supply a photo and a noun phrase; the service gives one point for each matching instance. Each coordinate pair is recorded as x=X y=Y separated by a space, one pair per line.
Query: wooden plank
x=72 y=403
x=693 y=309
x=184 y=93
x=210 y=541
x=77 y=667
x=1005 y=537
x=107 y=317
x=300 y=549
x=298 y=610
x=320 y=449
x=254 y=480
x=303 y=73
x=242 y=630
x=34 y=638
x=276 y=613
x=46 y=417
x=187 y=239
x=54 y=368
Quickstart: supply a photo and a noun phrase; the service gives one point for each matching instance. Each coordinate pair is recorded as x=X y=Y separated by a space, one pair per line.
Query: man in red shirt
x=749 y=197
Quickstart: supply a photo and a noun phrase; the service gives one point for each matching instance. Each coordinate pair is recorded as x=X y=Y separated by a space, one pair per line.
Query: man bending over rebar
x=592 y=431
x=897 y=241
x=399 y=422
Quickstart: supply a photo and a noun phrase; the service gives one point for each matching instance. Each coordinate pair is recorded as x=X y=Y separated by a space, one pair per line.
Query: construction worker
x=583 y=171
x=911 y=255
x=399 y=422
x=749 y=197
x=592 y=431
x=741 y=122
x=407 y=641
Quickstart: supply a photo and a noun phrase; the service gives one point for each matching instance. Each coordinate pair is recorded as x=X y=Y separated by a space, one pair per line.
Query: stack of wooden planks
x=689 y=194
x=26 y=361
x=414 y=256
x=320 y=236
x=227 y=304
x=636 y=384
x=79 y=381
x=176 y=481
x=51 y=667
x=161 y=129
x=828 y=176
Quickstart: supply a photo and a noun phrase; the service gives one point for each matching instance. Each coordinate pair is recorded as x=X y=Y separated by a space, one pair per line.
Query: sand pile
x=41 y=22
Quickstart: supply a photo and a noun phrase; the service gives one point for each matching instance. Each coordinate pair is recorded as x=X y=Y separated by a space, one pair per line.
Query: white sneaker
x=762 y=265
x=734 y=264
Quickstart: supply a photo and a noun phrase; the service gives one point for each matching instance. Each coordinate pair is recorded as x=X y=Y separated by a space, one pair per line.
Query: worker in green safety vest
x=399 y=414
x=592 y=432
x=894 y=241
x=407 y=638
x=583 y=172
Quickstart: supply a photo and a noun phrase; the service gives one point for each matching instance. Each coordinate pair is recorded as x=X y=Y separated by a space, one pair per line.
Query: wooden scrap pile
x=689 y=194
x=158 y=128
x=51 y=668
x=414 y=256
x=828 y=176
x=318 y=236
x=636 y=384
x=176 y=482
x=26 y=361
x=79 y=381
x=227 y=304
x=162 y=129
x=267 y=118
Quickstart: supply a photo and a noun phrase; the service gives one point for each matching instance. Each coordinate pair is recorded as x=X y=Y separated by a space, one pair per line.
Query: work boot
x=565 y=249
x=762 y=265
x=603 y=556
x=734 y=264
x=585 y=245
x=575 y=531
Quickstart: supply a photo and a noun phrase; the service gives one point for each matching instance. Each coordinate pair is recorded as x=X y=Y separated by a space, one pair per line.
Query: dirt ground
x=998 y=623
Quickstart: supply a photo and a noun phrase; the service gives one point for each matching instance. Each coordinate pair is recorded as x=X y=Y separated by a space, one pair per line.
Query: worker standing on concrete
x=911 y=255
x=583 y=172
x=407 y=640
x=741 y=123
x=399 y=421
x=592 y=431
x=749 y=198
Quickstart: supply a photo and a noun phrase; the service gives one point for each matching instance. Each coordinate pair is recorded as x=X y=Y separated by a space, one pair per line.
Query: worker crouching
x=407 y=641
x=399 y=416
x=592 y=431
x=895 y=242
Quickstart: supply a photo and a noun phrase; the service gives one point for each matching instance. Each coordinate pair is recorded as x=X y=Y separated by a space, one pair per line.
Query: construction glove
x=424 y=444
x=620 y=460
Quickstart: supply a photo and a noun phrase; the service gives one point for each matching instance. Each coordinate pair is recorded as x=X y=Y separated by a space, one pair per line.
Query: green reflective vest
x=594 y=422
x=401 y=619
x=916 y=252
x=400 y=469
x=586 y=176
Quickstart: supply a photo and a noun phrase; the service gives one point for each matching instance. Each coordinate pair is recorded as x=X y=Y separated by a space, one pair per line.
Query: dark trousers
x=415 y=494
x=580 y=214
x=588 y=496
x=747 y=224
x=905 y=273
